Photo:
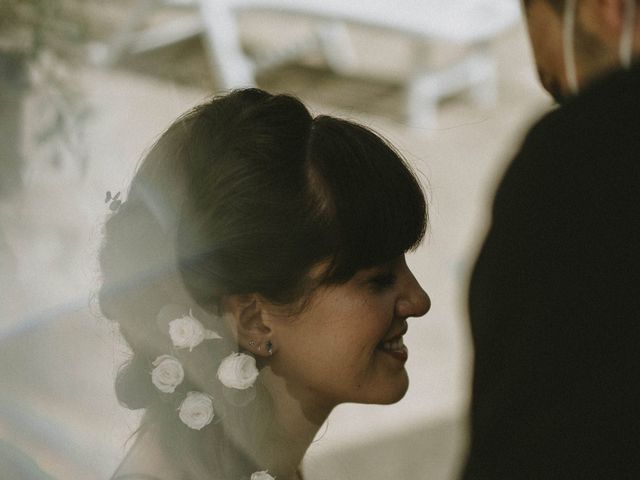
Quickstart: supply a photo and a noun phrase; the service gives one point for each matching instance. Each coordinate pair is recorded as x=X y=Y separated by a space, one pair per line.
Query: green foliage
x=36 y=25
x=49 y=36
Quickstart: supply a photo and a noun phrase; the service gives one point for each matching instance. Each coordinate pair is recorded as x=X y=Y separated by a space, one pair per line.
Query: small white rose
x=264 y=475
x=196 y=411
x=188 y=332
x=238 y=370
x=167 y=374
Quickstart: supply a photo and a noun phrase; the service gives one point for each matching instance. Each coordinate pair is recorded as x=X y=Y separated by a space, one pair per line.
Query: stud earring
x=270 y=347
x=252 y=343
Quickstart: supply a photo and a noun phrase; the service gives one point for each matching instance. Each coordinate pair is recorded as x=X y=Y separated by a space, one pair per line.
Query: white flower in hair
x=167 y=374
x=188 y=332
x=264 y=475
x=238 y=370
x=196 y=411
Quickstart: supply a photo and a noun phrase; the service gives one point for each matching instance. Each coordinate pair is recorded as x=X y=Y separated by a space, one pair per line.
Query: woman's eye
x=383 y=280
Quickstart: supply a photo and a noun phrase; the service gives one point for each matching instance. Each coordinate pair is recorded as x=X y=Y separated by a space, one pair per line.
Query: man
x=555 y=294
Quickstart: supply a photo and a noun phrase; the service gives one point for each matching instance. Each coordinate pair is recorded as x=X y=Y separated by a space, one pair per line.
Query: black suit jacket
x=555 y=299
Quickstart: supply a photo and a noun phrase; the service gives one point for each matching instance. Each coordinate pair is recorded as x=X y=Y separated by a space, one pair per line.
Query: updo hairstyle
x=244 y=194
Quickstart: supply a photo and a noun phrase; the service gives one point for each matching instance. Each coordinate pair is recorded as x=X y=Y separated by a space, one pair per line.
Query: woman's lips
x=396 y=348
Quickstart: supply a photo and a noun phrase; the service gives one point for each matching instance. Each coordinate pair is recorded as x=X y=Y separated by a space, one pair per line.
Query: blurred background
x=87 y=85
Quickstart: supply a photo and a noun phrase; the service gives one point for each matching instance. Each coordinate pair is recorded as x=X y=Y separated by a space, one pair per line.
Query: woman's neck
x=298 y=417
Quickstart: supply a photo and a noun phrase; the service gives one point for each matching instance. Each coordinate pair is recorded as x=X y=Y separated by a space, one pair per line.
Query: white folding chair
x=470 y=23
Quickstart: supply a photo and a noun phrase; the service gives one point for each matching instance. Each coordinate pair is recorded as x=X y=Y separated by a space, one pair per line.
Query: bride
x=257 y=271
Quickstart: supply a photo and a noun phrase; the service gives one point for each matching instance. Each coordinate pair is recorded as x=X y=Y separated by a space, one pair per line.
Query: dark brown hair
x=244 y=194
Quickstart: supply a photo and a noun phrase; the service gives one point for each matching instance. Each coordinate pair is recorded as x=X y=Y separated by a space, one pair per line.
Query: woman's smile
x=395 y=346
x=348 y=344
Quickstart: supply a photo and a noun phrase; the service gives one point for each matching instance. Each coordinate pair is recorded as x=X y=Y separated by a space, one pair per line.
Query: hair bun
x=133 y=384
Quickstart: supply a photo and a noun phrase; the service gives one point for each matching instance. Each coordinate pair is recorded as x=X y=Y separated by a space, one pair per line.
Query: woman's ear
x=246 y=315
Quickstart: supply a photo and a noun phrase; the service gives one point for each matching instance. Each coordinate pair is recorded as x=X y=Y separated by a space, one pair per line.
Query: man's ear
x=246 y=315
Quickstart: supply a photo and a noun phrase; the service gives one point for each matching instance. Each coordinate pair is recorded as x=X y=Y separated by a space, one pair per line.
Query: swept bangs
x=372 y=203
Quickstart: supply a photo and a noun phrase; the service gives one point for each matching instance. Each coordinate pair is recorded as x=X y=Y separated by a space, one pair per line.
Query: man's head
x=589 y=39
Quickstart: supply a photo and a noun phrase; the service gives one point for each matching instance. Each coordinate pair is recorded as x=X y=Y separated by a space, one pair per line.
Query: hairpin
x=113 y=201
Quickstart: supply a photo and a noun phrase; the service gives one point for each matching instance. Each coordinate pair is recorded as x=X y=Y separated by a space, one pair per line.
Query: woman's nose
x=414 y=302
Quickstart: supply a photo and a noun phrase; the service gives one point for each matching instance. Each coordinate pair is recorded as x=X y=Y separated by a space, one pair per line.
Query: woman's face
x=346 y=345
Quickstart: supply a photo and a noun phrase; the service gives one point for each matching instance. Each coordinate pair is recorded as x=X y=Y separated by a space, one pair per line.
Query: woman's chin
x=391 y=392
x=397 y=396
